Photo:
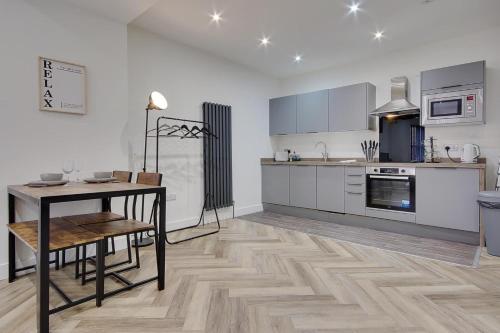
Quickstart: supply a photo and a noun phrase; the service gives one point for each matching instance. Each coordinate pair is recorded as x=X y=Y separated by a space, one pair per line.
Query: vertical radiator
x=217 y=156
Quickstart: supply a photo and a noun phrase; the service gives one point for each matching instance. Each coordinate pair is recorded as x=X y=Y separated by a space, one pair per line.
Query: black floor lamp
x=157 y=102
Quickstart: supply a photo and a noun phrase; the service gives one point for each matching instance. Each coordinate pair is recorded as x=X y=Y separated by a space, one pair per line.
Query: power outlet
x=453 y=147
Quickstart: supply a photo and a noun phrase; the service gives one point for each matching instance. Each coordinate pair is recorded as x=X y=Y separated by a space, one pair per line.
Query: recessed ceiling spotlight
x=354 y=8
x=378 y=35
x=265 y=41
x=297 y=58
x=216 y=17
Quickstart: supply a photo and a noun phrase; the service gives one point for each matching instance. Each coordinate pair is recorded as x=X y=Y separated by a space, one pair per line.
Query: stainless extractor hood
x=399 y=104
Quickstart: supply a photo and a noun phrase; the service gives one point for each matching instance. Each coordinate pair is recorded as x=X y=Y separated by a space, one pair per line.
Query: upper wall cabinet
x=283 y=115
x=312 y=112
x=334 y=110
x=453 y=76
x=350 y=106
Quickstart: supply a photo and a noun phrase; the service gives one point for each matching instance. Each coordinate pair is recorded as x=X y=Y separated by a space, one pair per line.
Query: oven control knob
x=403 y=170
x=376 y=170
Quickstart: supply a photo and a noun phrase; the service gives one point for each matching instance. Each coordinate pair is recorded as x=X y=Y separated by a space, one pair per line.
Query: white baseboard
x=120 y=242
x=224 y=214
x=240 y=211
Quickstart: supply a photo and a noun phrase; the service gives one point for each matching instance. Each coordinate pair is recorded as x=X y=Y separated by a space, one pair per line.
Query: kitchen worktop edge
x=334 y=162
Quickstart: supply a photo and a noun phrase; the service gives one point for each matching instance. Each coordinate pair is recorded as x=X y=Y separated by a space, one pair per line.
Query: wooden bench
x=63 y=234
x=118 y=228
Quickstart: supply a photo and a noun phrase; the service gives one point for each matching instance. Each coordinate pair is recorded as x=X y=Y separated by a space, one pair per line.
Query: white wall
x=478 y=46
x=189 y=77
x=31 y=141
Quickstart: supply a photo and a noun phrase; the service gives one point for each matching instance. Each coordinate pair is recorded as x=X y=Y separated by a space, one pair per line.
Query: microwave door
x=446 y=108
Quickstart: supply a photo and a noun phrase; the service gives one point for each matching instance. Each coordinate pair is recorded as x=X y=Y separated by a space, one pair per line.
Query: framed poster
x=62 y=86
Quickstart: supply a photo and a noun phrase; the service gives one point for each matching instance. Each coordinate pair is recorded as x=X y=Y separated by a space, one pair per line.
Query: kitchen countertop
x=336 y=161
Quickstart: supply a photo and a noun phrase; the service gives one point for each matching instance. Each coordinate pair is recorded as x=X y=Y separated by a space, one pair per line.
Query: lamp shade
x=157 y=101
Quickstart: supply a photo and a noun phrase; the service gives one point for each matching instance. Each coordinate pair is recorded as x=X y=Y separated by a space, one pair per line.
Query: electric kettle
x=471 y=153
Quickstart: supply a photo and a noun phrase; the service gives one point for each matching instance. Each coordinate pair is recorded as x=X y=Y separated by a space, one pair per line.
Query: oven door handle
x=390 y=177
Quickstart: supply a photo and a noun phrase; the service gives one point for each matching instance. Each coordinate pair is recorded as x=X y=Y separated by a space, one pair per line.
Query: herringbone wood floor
x=258 y=278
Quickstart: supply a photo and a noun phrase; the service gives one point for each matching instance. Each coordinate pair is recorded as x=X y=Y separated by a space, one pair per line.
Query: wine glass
x=68 y=167
x=78 y=168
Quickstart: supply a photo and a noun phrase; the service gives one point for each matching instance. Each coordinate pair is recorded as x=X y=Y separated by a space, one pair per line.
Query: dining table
x=43 y=197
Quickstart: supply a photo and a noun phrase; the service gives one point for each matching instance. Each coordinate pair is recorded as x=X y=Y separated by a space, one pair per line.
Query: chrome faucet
x=324 y=153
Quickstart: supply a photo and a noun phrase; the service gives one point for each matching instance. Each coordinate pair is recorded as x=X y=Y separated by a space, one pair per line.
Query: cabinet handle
x=390 y=177
x=356 y=193
x=355 y=184
x=454 y=86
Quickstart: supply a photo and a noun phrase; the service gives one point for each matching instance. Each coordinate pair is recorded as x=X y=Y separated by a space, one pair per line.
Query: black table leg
x=12 y=239
x=99 y=270
x=161 y=240
x=84 y=264
x=63 y=258
x=105 y=205
x=42 y=268
x=77 y=262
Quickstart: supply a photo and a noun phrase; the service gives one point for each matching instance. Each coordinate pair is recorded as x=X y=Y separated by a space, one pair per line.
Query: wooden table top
x=74 y=189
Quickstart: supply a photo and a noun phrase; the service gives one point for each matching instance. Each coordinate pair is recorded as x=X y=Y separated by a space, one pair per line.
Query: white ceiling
x=320 y=30
x=122 y=11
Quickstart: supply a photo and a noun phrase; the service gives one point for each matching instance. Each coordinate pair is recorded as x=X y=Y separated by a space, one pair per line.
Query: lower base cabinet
x=303 y=186
x=355 y=190
x=330 y=188
x=447 y=198
x=276 y=184
x=355 y=203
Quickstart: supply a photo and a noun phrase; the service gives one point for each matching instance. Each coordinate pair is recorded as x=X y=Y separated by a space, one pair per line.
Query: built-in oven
x=390 y=188
x=456 y=107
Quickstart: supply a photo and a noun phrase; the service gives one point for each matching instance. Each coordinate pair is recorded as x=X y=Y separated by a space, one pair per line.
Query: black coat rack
x=198 y=130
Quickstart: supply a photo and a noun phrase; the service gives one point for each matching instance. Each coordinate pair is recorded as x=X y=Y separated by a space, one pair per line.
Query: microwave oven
x=463 y=107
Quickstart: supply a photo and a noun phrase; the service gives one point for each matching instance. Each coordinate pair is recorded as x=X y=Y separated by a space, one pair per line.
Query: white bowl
x=51 y=176
x=103 y=174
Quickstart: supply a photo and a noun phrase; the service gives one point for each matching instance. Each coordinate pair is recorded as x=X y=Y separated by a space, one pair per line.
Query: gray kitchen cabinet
x=330 y=188
x=453 y=76
x=283 y=115
x=356 y=171
x=355 y=191
x=446 y=198
x=350 y=107
x=276 y=184
x=355 y=203
x=312 y=112
x=303 y=186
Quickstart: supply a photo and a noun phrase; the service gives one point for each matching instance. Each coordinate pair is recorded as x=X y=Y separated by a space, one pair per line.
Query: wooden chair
x=63 y=235
x=100 y=217
x=129 y=226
